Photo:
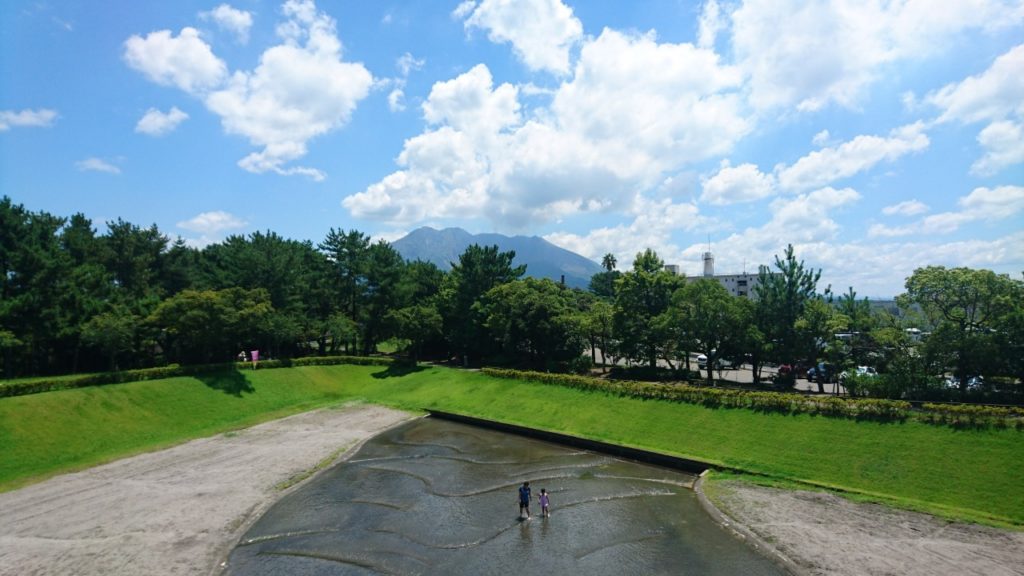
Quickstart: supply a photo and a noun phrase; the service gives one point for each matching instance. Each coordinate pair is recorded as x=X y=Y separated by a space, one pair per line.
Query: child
x=544 y=503
x=524 y=500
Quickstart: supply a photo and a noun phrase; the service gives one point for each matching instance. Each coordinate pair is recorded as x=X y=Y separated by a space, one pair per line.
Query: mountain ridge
x=542 y=258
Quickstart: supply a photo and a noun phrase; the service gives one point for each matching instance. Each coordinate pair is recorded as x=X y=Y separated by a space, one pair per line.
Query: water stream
x=437 y=497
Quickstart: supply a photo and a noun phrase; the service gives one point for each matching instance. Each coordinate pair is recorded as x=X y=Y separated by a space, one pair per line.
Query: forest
x=74 y=300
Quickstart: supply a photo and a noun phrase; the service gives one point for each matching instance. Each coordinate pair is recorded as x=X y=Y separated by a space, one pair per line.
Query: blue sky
x=874 y=136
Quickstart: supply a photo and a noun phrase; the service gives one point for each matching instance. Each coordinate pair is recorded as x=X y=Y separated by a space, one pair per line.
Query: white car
x=702 y=362
x=858 y=371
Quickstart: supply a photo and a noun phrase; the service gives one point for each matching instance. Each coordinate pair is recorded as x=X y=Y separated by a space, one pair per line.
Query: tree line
x=74 y=300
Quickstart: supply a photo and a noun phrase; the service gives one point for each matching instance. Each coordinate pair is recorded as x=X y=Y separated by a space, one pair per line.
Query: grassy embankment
x=972 y=475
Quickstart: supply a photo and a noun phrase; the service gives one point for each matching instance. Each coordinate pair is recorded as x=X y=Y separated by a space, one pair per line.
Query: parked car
x=973 y=382
x=821 y=373
x=858 y=371
x=702 y=362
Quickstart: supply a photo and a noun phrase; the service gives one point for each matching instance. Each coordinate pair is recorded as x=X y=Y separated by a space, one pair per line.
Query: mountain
x=542 y=258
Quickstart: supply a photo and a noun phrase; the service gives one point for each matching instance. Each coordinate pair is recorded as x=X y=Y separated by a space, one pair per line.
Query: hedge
x=38 y=385
x=781 y=402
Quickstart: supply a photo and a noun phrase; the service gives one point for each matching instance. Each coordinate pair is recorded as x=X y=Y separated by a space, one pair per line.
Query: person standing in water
x=543 y=498
x=524 y=499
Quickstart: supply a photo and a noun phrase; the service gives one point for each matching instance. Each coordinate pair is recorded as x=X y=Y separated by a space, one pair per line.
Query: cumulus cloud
x=157 y=123
x=633 y=111
x=731 y=185
x=981 y=205
x=651 y=227
x=300 y=89
x=210 y=223
x=238 y=22
x=94 y=164
x=995 y=96
x=541 y=32
x=1003 y=142
x=992 y=95
x=811 y=54
x=42 y=117
x=828 y=165
x=907 y=208
x=185 y=61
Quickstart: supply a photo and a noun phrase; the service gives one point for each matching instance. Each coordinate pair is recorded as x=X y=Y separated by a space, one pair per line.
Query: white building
x=741 y=285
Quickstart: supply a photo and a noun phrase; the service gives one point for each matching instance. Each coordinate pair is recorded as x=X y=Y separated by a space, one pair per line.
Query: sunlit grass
x=973 y=475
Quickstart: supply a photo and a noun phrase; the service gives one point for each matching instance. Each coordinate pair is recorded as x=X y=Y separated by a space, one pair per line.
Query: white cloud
x=42 y=117
x=185 y=61
x=210 y=223
x=407 y=63
x=541 y=31
x=468 y=104
x=981 y=205
x=907 y=208
x=1003 y=142
x=652 y=226
x=97 y=165
x=300 y=89
x=396 y=100
x=711 y=22
x=731 y=185
x=157 y=123
x=828 y=165
x=238 y=22
x=821 y=138
x=810 y=54
x=992 y=95
x=465 y=8
x=634 y=111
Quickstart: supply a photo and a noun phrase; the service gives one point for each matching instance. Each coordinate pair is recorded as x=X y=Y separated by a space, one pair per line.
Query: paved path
x=176 y=511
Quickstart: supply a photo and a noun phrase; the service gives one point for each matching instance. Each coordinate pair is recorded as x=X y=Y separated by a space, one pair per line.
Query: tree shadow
x=398 y=369
x=231 y=382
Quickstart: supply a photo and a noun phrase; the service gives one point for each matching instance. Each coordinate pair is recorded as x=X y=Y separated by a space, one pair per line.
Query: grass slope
x=973 y=475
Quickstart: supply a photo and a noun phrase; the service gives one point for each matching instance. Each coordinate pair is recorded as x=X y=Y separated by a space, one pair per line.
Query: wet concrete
x=437 y=497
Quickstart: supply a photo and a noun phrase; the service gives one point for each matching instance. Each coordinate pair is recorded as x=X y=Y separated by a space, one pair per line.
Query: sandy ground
x=177 y=511
x=821 y=533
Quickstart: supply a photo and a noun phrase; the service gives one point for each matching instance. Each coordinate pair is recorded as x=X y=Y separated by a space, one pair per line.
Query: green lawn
x=974 y=475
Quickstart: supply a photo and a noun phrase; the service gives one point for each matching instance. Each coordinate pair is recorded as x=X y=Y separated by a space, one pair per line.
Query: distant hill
x=542 y=258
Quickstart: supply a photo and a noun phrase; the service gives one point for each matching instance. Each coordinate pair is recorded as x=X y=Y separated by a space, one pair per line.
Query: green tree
x=478 y=270
x=598 y=320
x=642 y=297
x=711 y=321
x=781 y=298
x=212 y=325
x=382 y=292
x=967 y=308
x=418 y=324
x=535 y=321
x=112 y=332
x=347 y=251
x=603 y=283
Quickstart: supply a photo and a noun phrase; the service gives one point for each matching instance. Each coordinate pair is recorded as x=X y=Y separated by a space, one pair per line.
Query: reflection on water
x=436 y=497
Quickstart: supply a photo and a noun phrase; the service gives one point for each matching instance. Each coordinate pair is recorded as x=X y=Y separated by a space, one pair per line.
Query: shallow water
x=437 y=497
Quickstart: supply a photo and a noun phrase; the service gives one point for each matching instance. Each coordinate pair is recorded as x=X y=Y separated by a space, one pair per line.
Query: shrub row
x=786 y=403
x=968 y=416
x=38 y=385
